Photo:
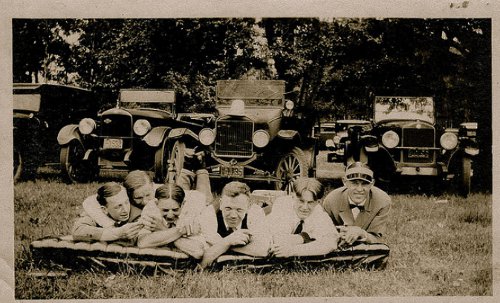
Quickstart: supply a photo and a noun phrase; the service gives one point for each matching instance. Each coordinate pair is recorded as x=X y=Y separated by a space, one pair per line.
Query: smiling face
x=170 y=210
x=304 y=204
x=142 y=195
x=358 y=190
x=234 y=209
x=118 y=206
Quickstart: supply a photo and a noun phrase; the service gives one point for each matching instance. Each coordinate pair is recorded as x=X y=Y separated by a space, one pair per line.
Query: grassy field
x=440 y=246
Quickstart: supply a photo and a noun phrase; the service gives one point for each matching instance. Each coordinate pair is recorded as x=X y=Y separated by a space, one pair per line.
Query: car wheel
x=162 y=155
x=73 y=168
x=176 y=160
x=291 y=166
x=466 y=176
x=18 y=165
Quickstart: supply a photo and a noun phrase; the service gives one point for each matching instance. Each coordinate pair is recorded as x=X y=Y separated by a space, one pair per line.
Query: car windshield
x=253 y=92
x=404 y=108
x=27 y=102
x=157 y=99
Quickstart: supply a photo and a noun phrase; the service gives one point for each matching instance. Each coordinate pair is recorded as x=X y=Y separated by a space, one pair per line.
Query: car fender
x=156 y=136
x=288 y=134
x=177 y=133
x=68 y=133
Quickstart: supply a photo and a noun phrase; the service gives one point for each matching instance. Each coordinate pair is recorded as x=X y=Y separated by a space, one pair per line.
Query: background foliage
x=335 y=66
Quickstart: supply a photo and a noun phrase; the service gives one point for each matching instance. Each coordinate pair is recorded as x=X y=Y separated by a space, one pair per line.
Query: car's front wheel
x=466 y=176
x=162 y=155
x=291 y=166
x=73 y=168
x=176 y=160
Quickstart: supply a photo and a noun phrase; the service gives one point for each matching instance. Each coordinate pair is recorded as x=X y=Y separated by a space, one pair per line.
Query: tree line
x=333 y=66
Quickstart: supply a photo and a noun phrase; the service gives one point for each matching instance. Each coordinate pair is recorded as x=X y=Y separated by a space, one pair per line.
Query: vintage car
x=39 y=112
x=141 y=132
x=336 y=144
x=258 y=135
x=324 y=131
x=405 y=141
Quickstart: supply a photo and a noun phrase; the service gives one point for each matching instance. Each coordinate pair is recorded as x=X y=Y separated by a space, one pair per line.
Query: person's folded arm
x=159 y=238
x=190 y=246
x=257 y=247
x=321 y=246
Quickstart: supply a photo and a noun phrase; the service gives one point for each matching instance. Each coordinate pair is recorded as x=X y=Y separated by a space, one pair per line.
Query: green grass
x=437 y=249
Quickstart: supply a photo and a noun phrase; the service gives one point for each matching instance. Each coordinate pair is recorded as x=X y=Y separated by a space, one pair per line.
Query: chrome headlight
x=390 y=139
x=330 y=142
x=448 y=141
x=86 y=126
x=289 y=104
x=206 y=136
x=260 y=138
x=142 y=127
x=336 y=140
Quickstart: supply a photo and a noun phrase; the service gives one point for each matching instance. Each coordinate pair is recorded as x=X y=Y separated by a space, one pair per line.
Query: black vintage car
x=405 y=141
x=336 y=143
x=141 y=132
x=258 y=135
x=40 y=110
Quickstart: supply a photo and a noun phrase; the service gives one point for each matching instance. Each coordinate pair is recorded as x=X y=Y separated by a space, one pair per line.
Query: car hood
x=257 y=114
x=404 y=123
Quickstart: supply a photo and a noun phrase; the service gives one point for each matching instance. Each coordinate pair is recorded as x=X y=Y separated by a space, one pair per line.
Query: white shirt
x=284 y=220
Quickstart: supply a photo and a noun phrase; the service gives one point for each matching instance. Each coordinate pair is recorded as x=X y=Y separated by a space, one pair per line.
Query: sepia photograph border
x=228 y=8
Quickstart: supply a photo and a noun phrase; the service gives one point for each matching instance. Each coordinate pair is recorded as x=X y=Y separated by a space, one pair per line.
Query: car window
x=404 y=108
x=27 y=102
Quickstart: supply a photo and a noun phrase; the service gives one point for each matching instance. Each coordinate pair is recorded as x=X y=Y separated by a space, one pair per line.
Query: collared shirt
x=284 y=220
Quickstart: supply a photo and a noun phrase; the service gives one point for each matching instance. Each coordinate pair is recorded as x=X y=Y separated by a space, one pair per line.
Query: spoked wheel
x=291 y=166
x=466 y=176
x=18 y=165
x=162 y=155
x=73 y=167
x=176 y=160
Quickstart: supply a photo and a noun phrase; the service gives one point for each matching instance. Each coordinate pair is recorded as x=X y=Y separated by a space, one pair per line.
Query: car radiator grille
x=116 y=126
x=234 y=138
x=418 y=137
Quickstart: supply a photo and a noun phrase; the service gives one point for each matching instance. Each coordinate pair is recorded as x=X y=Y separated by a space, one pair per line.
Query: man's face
x=142 y=195
x=358 y=190
x=234 y=209
x=170 y=210
x=304 y=204
x=118 y=206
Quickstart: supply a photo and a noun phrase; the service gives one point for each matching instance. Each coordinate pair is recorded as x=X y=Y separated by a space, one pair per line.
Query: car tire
x=162 y=156
x=177 y=161
x=465 y=177
x=291 y=166
x=73 y=168
x=18 y=165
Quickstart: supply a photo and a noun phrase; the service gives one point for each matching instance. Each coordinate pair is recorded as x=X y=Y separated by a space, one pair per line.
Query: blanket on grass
x=66 y=252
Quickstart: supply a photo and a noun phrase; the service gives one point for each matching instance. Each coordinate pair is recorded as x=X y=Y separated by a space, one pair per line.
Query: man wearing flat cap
x=359 y=208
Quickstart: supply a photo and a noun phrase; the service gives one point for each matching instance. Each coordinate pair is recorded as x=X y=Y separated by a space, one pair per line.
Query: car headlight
x=86 y=126
x=260 y=138
x=141 y=127
x=289 y=104
x=336 y=140
x=448 y=141
x=390 y=139
x=330 y=142
x=206 y=136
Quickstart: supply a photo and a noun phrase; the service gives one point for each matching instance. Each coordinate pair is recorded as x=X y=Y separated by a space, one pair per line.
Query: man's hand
x=350 y=234
x=130 y=231
x=190 y=225
x=153 y=222
x=238 y=237
x=280 y=250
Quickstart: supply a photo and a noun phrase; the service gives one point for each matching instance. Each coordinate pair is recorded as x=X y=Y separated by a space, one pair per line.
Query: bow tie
x=360 y=207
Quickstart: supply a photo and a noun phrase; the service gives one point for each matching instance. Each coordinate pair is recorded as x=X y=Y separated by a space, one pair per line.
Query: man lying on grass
x=174 y=219
x=236 y=225
x=298 y=223
x=114 y=203
x=360 y=208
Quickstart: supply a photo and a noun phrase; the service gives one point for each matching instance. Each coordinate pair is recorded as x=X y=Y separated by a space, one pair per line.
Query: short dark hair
x=235 y=188
x=310 y=184
x=170 y=191
x=109 y=189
